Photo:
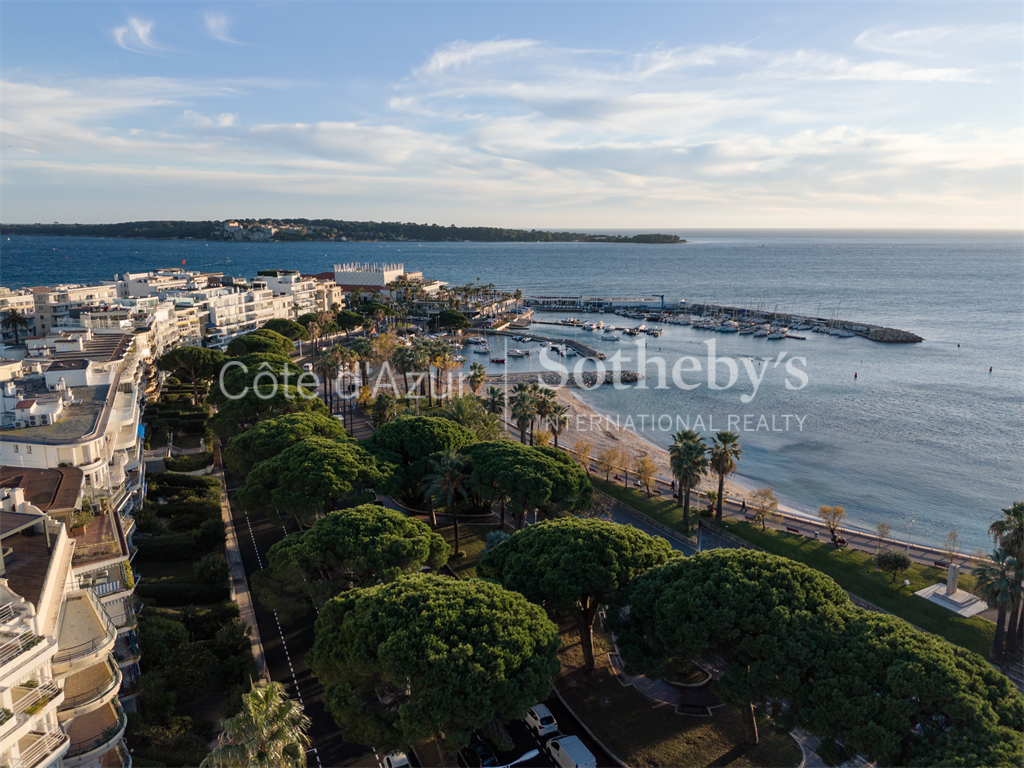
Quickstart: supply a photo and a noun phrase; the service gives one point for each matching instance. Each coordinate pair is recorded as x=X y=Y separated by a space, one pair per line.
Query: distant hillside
x=300 y=230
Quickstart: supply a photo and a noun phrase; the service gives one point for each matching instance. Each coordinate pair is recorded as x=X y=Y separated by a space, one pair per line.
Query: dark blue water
x=924 y=433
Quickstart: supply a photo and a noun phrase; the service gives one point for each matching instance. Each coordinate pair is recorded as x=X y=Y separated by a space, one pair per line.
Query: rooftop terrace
x=80 y=419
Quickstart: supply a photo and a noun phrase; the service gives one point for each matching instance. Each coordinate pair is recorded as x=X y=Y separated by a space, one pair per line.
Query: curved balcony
x=94 y=734
x=37 y=748
x=87 y=633
x=89 y=689
x=118 y=757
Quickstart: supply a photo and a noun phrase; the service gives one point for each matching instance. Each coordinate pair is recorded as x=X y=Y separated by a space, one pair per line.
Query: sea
x=926 y=437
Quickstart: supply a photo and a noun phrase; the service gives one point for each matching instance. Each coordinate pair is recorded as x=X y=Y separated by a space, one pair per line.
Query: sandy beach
x=586 y=423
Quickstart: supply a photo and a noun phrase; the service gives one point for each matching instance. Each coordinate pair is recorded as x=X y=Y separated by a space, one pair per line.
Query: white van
x=541 y=721
x=307 y=367
x=570 y=752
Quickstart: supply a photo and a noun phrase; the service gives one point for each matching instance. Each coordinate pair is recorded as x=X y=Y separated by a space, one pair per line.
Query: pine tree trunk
x=750 y=723
x=586 y=626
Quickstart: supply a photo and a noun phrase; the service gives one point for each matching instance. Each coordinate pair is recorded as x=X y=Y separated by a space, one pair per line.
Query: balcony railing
x=36 y=697
x=47 y=743
x=109 y=734
x=13 y=644
x=112 y=682
x=90 y=646
x=7 y=613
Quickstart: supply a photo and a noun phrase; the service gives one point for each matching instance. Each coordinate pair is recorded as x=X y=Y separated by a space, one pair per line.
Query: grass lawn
x=472 y=540
x=660 y=508
x=642 y=731
x=854 y=572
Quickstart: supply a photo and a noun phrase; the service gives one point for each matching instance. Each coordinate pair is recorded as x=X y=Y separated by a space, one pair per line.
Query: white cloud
x=934 y=41
x=223 y=120
x=137 y=36
x=455 y=55
x=217 y=25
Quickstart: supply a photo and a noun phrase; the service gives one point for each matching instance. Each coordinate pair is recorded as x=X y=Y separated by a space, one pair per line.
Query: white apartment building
x=233 y=311
x=83 y=411
x=54 y=304
x=133 y=284
x=302 y=291
x=152 y=322
x=68 y=654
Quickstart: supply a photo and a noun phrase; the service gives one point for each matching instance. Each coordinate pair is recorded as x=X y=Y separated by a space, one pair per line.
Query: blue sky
x=575 y=115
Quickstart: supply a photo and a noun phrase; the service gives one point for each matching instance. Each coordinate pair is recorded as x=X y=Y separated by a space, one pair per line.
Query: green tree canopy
x=258 y=391
x=192 y=364
x=411 y=440
x=287 y=328
x=309 y=478
x=345 y=549
x=262 y=340
x=347 y=320
x=451 y=318
x=268 y=438
x=405 y=661
x=528 y=477
x=269 y=732
x=573 y=565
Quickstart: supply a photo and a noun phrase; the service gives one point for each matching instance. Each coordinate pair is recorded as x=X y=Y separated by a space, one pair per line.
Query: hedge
x=183 y=547
x=175 y=480
x=189 y=463
x=177 y=591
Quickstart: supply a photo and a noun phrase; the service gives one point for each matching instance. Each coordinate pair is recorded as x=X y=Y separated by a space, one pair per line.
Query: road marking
x=280 y=631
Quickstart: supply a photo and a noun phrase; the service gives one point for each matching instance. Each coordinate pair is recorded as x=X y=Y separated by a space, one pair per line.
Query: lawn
x=660 y=508
x=472 y=540
x=641 y=731
x=854 y=572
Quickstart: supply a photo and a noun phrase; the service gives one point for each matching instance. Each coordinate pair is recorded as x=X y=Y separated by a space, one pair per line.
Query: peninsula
x=330 y=230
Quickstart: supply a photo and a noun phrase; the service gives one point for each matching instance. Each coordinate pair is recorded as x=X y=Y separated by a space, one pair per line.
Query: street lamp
x=528 y=756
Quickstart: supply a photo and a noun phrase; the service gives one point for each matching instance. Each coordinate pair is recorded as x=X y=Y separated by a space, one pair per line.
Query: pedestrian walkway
x=240 y=593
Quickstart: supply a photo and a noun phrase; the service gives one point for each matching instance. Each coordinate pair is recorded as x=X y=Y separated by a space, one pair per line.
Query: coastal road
x=285 y=647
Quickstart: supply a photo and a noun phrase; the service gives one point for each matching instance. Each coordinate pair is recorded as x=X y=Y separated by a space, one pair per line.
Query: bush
x=189 y=463
x=169 y=548
x=176 y=591
x=211 y=569
x=211 y=535
x=185 y=522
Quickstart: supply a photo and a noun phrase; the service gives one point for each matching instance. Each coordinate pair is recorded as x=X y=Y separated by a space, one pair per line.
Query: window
x=28 y=449
x=16 y=448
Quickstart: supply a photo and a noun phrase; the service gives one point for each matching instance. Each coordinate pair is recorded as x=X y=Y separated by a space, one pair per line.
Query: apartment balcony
x=118 y=757
x=94 y=734
x=126 y=649
x=16 y=640
x=37 y=748
x=87 y=633
x=33 y=696
x=89 y=689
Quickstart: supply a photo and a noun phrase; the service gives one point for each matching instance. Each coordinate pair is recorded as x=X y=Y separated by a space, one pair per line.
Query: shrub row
x=177 y=591
x=183 y=547
x=189 y=463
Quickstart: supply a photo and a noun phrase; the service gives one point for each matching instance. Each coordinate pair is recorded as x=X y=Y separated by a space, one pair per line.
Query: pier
x=583 y=349
x=679 y=308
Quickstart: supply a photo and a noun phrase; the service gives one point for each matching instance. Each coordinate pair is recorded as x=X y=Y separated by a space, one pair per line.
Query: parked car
x=478 y=755
x=396 y=760
x=570 y=752
x=541 y=721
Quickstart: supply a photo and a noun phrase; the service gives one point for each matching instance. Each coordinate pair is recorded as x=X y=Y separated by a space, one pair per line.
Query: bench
x=792 y=530
x=941 y=564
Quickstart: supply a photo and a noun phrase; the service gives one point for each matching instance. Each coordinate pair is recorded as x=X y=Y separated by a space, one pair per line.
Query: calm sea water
x=925 y=432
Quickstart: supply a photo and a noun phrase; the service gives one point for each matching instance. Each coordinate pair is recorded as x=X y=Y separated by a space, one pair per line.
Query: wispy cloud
x=223 y=120
x=217 y=25
x=933 y=41
x=137 y=36
x=455 y=55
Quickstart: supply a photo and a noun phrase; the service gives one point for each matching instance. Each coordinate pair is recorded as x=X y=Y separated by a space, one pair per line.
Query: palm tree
x=688 y=457
x=495 y=401
x=404 y=360
x=998 y=583
x=725 y=453
x=1008 y=532
x=523 y=408
x=558 y=420
x=448 y=479
x=270 y=731
x=362 y=349
x=544 y=404
x=477 y=376
x=14 y=320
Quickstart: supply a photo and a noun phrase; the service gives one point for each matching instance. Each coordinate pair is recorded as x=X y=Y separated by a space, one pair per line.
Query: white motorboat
x=482 y=349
